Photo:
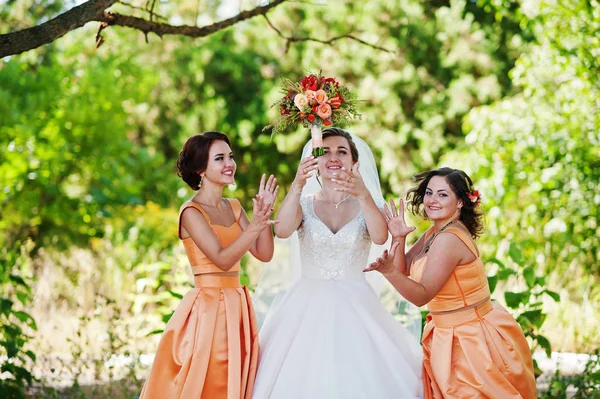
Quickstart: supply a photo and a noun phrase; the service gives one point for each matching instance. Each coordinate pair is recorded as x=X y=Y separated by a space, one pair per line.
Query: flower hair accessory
x=474 y=196
x=313 y=101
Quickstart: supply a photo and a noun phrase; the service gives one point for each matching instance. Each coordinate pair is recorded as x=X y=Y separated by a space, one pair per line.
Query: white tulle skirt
x=330 y=339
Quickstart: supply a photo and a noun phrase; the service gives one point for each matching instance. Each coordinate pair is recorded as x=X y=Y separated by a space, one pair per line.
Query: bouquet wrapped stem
x=316 y=135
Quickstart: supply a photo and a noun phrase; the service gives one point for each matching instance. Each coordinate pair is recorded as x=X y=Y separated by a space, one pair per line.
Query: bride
x=329 y=336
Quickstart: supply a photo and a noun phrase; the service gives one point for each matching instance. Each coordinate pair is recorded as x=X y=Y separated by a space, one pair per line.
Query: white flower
x=301 y=101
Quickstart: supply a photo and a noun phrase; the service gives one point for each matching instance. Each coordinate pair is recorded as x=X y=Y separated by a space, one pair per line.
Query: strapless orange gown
x=209 y=349
x=472 y=353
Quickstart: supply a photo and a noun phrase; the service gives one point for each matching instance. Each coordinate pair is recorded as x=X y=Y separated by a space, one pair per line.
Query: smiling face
x=337 y=155
x=440 y=201
x=221 y=166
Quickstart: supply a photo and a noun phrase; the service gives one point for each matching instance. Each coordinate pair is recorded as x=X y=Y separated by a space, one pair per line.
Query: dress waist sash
x=462 y=316
x=212 y=281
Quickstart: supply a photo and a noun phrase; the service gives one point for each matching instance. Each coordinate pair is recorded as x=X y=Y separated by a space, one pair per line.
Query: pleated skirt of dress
x=209 y=349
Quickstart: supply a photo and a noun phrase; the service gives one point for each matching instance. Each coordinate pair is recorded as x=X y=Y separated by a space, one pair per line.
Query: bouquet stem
x=316 y=135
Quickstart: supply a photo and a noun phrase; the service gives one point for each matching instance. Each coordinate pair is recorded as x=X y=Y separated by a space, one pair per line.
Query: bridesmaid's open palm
x=395 y=220
x=268 y=191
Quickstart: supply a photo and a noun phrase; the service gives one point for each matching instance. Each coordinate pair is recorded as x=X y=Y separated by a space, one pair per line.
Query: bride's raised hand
x=305 y=169
x=395 y=220
x=268 y=191
x=351 y=182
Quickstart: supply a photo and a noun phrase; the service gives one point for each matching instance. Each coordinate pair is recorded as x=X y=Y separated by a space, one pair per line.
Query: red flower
x=326 y=122
x=310 y=117
x=309 y=83
x=283 y=110
x=474 y=196
x=331 y=81
x=335 y=101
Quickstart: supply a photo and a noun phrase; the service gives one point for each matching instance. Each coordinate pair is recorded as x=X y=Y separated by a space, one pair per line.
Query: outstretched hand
x=351 y=182
x=268 y=191
x=395 y=220
x=385 y=263
x=261 y=215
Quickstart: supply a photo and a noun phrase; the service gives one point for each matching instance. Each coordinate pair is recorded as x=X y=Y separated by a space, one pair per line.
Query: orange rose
x=324 y=111
x=310 y=94
x=321 y=96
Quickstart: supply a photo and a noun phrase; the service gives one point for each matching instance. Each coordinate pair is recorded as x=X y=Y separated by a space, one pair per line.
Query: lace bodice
x=326 y=255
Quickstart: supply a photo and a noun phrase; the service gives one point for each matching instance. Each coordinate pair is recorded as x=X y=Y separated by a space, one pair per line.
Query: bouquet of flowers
x=313 y=102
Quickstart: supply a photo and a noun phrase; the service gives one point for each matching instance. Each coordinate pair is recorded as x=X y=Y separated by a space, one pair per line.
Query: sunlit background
x=507 y=90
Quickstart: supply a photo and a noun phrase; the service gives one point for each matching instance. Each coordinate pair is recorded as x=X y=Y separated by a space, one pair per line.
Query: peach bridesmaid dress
x=472 y=347
x=209 y=349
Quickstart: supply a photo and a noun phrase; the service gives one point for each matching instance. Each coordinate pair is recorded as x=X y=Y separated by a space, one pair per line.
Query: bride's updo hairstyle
x=336 y=131
x=193 y=158
x=461 y=184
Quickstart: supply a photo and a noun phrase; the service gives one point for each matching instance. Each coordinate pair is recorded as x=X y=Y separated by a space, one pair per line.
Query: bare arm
x=447 y=252
x=403 y=260
x=203 y=236
x=376 y=224
x=289 y=215
x=262 y=248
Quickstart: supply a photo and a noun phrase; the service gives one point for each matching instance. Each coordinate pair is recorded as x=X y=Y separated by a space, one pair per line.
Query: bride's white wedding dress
x=330 y=337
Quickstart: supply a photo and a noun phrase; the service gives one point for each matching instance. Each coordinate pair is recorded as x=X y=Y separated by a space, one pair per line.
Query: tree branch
x=30 y=38
x=96 y=10
x=161 y=29
x=291 y=39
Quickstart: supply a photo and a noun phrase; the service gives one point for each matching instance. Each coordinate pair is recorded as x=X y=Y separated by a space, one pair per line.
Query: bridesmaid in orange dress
x=209 y=348
x=472 y=347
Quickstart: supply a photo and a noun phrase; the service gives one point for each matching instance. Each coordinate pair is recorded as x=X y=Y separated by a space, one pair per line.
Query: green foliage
x=16 y=325
x=537 y=153
x=585 y=384
x=526 y=305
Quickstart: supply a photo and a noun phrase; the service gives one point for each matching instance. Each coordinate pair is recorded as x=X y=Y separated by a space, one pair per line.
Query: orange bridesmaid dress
x=209 y=349
x=472 y=347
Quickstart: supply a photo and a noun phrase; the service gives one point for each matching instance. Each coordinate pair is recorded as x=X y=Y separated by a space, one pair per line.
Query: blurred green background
x=507 y=90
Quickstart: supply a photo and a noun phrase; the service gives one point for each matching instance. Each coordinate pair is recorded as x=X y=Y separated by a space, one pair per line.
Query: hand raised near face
x=351 y=182
x=305 y=169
